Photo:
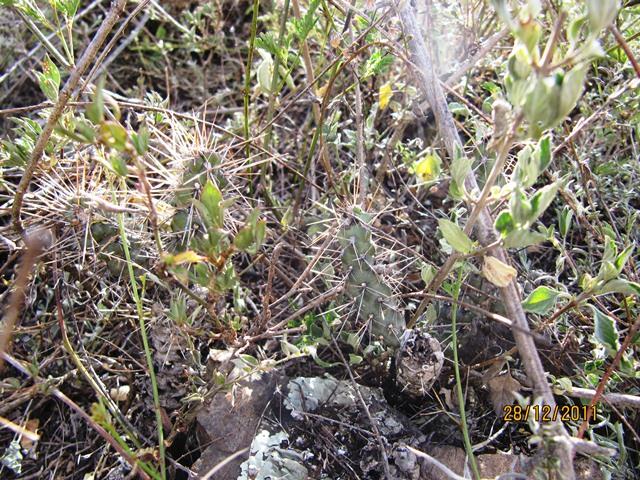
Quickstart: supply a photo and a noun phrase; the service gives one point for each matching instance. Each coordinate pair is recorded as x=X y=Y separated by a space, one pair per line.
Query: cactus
x=374 y=300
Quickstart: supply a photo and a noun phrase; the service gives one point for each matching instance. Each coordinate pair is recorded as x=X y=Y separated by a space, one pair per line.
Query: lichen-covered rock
x=419 y=361
x=269 y=460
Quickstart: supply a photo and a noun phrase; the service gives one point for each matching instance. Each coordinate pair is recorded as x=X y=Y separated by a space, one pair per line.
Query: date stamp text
x=548 y=413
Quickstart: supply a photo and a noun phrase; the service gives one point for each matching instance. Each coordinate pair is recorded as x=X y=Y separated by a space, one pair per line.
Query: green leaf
x=618 y=285
x=542 y=199
x=564 y=220
x=114 y=135
x=118 y=164
x=49 y=79
x=541 y=300
x=70 y=7
x=543 y=153
x=601 y=13
x=459 y=109
x=572 y=86
x=95 y=111
x=573 y=32
x=377 y=64
x=211 y=198
x=520 y=208
x=302 y=27
x=504 y=223
x=249 y=360
x=455 y=236
x=605 y=331
x=621 y=260
x=460 y=167
x=264 y=73
x=289 y=349
x=244 y=239
x=260 y=233
x=521 y=238
x=531 y=163
x=140 y=140
x=355 y=359
x=610 y=250
x=427 y=273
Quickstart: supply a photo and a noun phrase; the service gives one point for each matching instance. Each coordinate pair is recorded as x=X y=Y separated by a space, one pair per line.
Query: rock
x=229 y=423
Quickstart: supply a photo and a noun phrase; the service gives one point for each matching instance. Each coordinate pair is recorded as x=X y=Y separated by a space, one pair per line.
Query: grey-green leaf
x=541 y=301
x=605 y=331
x=455 y=236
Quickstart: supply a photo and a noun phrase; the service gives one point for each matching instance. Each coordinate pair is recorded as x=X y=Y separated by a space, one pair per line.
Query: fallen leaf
x=28 y=441
x=497 y=272
x=501 y=391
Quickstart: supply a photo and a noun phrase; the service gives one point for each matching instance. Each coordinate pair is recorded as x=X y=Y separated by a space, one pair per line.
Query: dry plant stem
x=153 y=214
x=131 y=460
x=100 y=65
x=309 y=267
x=479 y=207
x=17 y=296
x=616 y=399
x=360 y=154
x=268 y=292
x=496 y=170
x=20 y=430
x=374 y=424
x=605 y=378
x=485 y=231
x=627 y=50
x=308 y=67
x=44 y=40
x=65 y=95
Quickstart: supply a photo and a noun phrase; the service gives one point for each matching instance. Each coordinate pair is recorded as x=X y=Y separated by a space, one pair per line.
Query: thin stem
x=275 y=78
x=456 y=368
x=43 y=39
x=247 y=76
x=145 y=340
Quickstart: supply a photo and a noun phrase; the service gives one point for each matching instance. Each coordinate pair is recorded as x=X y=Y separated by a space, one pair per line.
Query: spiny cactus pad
x=374 y=301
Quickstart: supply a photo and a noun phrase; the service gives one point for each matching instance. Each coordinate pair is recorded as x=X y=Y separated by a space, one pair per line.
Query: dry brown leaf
x=498 y=272
x=32 y=426
x=501 y=391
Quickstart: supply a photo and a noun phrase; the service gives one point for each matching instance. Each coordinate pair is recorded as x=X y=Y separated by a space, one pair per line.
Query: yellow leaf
x=384 y=95
x=497 y=272
x=320 y=91
x=188 y=257
x=428 y=168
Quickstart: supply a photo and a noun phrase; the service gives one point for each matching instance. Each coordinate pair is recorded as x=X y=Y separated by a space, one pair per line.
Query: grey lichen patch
x=270 y=460
x=310 y=394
